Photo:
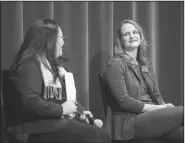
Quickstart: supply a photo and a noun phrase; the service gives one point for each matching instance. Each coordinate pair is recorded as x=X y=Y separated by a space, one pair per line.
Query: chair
x=106 y=107
x=108 y=113
x=6 y=137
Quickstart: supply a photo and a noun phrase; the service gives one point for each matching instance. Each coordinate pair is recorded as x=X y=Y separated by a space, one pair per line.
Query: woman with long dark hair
x=37 y=105
x=139 y=110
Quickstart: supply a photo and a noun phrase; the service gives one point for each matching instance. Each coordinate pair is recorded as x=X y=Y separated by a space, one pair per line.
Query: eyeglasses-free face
x=130 y=36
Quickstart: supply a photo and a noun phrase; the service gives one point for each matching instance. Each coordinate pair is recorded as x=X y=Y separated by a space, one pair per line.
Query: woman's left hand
x=84 y=115
x=169 y=105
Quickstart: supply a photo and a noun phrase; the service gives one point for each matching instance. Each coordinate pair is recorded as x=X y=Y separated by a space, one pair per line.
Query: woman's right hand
x=69 y=107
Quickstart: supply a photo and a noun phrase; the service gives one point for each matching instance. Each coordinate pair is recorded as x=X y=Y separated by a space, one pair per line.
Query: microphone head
x=98 y=123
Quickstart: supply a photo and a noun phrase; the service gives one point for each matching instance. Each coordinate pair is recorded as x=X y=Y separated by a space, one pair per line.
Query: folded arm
x=115 y=79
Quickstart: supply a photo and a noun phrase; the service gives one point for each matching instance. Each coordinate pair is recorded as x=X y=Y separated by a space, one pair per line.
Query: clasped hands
x=151 y=107
x=70 y=107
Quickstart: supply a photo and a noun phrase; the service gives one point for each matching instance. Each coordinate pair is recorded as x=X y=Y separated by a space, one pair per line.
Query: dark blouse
x=145 y=97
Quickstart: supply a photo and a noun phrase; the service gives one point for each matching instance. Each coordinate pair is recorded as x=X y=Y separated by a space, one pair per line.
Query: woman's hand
x=69 y=107
x=169 y=105
x=84 y=115
x=151 y=107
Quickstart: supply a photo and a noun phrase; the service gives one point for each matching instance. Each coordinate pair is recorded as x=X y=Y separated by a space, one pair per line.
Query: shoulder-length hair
x=119 y=49
x=40 y=42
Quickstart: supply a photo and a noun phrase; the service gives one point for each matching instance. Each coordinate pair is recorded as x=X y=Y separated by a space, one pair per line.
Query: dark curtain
x=90 y=28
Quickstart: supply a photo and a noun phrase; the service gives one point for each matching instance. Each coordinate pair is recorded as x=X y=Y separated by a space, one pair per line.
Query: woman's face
x=130 y=37
x=60 y=43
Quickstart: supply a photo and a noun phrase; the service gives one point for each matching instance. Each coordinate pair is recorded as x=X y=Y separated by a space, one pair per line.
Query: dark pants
x=164 y=123
x=73 y=131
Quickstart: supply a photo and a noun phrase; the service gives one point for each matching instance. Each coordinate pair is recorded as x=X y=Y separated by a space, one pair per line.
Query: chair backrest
x=4 y=86
x=4 y=76
x=107 y=110
x=103 y=91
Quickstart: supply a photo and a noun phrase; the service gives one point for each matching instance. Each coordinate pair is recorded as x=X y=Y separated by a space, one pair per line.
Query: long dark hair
x=141 y=56
x=40 y=41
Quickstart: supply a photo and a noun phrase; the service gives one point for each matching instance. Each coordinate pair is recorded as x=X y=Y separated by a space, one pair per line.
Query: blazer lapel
x=134 y=70
x=149 y=81
x=132 y=66
x=146 y=75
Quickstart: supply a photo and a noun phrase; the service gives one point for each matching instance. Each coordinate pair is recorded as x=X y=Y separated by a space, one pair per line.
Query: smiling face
x=130 y=38
x=60 y=43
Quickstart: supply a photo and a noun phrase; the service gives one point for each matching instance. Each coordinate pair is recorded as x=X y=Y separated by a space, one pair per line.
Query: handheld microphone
x=97 y=122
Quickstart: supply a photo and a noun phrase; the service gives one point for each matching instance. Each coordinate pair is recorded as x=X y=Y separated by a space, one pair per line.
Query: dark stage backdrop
x=90 y=28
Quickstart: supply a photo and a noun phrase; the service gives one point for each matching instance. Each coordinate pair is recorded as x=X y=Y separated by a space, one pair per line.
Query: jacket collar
x=144 y=69
x=132 y=64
